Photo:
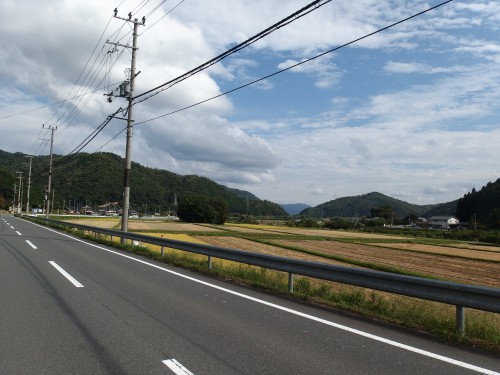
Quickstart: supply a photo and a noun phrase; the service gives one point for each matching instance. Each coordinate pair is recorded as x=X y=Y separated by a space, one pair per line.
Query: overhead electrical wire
x=293 y=17
x=89 y=138
x=99 y=128
x=78 y=95
x=166 y=14
x=61 y=101
x=155 y=9
x=258 y=36
x=112 y=139
x=297 y=64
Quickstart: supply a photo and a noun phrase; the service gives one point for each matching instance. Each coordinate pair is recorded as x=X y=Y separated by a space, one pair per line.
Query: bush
x=340 y=223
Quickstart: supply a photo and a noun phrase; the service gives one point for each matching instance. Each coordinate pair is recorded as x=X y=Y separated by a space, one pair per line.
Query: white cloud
x=418 y=121
x=323 y=70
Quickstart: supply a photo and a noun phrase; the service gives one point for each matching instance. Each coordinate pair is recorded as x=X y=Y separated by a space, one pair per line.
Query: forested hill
x=483 y=206
x=362 y=205
x=98 y=178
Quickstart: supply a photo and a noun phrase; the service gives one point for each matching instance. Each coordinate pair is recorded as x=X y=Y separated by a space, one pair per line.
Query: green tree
x=202 y=209
x=385 y=212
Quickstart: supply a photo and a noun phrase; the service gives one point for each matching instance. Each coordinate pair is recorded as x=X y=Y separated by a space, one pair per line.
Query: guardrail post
x=209 y=262
x=290 y=282
x=460 y=319
x=162 y=251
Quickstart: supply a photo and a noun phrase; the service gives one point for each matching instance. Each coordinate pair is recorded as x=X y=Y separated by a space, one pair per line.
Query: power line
x=59 y=102
x=113 y=138
x=294 y=16
x=299 y=63
x=85 y=66
x=166 y=14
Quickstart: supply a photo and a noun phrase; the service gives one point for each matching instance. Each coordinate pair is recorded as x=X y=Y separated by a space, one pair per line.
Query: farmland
x=451 y=260
x=463 y=262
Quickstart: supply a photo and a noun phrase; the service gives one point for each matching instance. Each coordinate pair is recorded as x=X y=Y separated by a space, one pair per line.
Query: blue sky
x=412 y=112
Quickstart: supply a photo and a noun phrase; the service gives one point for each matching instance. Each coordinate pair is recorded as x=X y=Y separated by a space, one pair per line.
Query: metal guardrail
x=460 y=295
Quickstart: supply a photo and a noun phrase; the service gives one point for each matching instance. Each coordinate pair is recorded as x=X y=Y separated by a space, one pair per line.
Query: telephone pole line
x=47 y=192
x=130 y=120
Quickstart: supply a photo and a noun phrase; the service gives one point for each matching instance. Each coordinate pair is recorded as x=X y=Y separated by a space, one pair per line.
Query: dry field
x=100 y=223
x=461 y=262
x=169 y=226
x=307 y=232
x=247 y=245
x=469 y=271
x=459 y=250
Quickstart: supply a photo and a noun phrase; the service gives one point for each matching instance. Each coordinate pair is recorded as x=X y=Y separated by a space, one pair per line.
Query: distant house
x=443 y=222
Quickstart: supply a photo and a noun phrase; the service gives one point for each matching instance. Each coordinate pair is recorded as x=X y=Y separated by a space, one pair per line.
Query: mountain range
x=96 y=178
x=363 y=205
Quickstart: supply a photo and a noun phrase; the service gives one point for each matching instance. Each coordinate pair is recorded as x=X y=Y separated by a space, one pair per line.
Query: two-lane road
x=70 y=307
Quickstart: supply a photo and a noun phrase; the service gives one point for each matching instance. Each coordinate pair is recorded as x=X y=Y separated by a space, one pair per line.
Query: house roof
x=442 y=217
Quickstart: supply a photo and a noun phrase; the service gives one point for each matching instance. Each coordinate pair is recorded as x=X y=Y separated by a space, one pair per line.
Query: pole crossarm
x=121 y=45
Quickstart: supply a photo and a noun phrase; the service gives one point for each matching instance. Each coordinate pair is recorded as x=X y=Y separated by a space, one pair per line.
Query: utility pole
x=130 y=120
x=47 y=193
x=14 y=199
x=29 y=186
x=18 y=209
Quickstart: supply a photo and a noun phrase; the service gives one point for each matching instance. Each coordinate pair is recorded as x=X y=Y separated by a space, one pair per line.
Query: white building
x=443 y=222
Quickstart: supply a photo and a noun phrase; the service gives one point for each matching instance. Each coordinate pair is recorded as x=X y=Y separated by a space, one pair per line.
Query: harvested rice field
x=454 y=261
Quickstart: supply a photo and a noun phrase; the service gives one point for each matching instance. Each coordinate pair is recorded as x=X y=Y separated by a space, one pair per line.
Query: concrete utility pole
x=14 y=205
x=130 y=121
x=29 y=186
x=47 y=193
x=18 y=209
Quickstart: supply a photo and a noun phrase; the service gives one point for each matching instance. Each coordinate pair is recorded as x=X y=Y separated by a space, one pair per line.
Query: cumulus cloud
x=409 y=112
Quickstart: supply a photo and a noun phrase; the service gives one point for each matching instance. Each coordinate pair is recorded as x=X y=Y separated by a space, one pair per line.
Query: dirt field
x=447 y=262
x=99 y=223
x=450 y=268
x=158 y=225
x=307 y=232
x=243 y=244
x=479 y=252
x=442 y=266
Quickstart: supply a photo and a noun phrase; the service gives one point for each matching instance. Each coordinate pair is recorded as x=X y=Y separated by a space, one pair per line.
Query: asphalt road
x=70 y=307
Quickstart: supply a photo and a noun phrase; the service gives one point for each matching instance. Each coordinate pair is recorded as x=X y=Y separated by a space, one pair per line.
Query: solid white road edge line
x=176 y=367
x=66 y=275
x=298 y=313
x=33 y=246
